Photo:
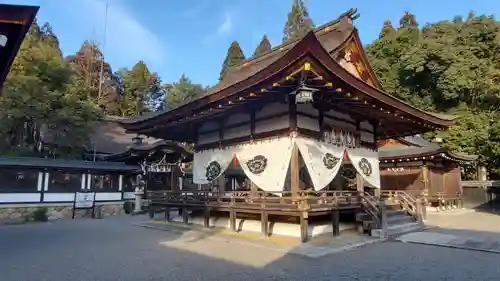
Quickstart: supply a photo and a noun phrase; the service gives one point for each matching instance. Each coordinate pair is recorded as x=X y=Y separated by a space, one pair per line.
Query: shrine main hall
x=290 y=120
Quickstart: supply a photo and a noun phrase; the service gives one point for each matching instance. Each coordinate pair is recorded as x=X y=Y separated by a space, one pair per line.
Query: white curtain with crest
x=366 y=163
x=266 y=162
x=209 y=164
x=323 y=160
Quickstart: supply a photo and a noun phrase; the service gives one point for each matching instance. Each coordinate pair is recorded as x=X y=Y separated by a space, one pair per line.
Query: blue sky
x=191 y=37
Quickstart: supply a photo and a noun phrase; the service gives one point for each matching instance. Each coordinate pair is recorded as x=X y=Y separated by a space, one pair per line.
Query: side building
x=418 y=166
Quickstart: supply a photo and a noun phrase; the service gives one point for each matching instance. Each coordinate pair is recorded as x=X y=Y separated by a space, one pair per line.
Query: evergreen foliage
x=450 y=66
x=43 y=91
x=298 y=22
x=46 y=94
x=181 y=92
x=141 y=90
x=233 y=58
x=264 y=47
x=388 y=30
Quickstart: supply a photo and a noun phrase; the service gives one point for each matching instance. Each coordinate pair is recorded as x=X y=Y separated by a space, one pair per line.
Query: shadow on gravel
x=116 y=249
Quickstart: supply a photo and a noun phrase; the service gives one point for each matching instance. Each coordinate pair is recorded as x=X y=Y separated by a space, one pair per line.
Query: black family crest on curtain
x=213 y=170
x=257 y=165
x=330 y=161
x=365 y=167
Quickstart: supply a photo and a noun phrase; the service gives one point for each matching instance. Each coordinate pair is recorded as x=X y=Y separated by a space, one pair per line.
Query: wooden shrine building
x=311 y=101
x=416 y=165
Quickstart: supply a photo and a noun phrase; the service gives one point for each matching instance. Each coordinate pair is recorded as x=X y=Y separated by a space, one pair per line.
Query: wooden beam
x=294 y=172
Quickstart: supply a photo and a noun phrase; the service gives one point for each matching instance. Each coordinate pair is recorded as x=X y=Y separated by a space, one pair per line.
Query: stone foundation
x=23 y=214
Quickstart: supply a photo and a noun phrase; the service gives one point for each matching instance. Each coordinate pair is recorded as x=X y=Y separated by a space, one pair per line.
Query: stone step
x=398 y=229
x=362 y=216
x=394 y=213
x=401 y=218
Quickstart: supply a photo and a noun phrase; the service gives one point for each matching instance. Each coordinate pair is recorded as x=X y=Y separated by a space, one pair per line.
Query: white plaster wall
x=19 y=197
x=307 y=108
x=236 y=132
x=128 y=195
x=340 y=115
x=237 y=118
x=271 y=109
x=208 y=138
x=208 y=126
x=308 y=123
x=366 y=125
x=108 y=196
x=339 y=124
x=272 y=124
x=59 y=197
x=368 y=137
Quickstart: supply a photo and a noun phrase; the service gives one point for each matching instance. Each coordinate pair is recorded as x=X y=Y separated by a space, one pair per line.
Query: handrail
x=304 y=198
x=371 y=206
x=409 y=203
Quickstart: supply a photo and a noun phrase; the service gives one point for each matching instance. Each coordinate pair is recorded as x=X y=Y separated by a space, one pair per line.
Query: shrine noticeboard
x=84 y=200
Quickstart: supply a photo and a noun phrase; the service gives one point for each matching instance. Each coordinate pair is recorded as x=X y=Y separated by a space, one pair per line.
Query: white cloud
x=223 y=28
x=227 y=24
x=196 y=9
x=127 y=40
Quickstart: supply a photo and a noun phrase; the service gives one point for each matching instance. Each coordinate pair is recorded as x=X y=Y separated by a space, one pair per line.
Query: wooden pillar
x=232 y=219
x=294 y=172
x=425 y=180
x=253 y=189
x=167 y=214
x=175 y=178
x=304 y=216
x=264 y=222
x=221 y=184
x=185 y=215
x=360 y=183
x=206 y=216
x=336 y=222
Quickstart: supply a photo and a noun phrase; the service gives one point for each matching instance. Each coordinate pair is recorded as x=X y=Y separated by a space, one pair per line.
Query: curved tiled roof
x=418 y=147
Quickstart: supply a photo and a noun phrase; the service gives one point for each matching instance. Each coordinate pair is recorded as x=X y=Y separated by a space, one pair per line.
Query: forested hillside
x=450 y=66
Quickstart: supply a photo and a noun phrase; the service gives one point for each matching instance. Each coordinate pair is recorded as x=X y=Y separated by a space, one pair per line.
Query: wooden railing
x=494 y=183
x=446 y=200
x=257 y=199
x=371 y=206
x=413 y=205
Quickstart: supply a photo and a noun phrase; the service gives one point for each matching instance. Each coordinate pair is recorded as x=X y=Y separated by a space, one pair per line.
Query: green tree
x=449 y=66
x=233 y=58
x=263 y=47
x=141 y=90
x=298 y=22
x=42 y=91
x=90 y=65
x=388 y=30
x=408 y=20
x=181 y=92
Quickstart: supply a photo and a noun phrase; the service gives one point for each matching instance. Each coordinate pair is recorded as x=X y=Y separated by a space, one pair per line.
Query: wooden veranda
x=243 y=203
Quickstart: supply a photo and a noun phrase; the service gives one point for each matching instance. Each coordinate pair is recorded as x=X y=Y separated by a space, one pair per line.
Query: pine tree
x=298 y=22
x=408 y=20
x=264 y=47
x=387 y=30
x=234 y=57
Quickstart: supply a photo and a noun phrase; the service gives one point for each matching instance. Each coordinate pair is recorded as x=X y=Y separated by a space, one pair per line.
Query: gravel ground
x=113 y=249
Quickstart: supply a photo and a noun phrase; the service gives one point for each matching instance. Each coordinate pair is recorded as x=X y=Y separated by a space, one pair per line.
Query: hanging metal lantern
x=303 y=94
